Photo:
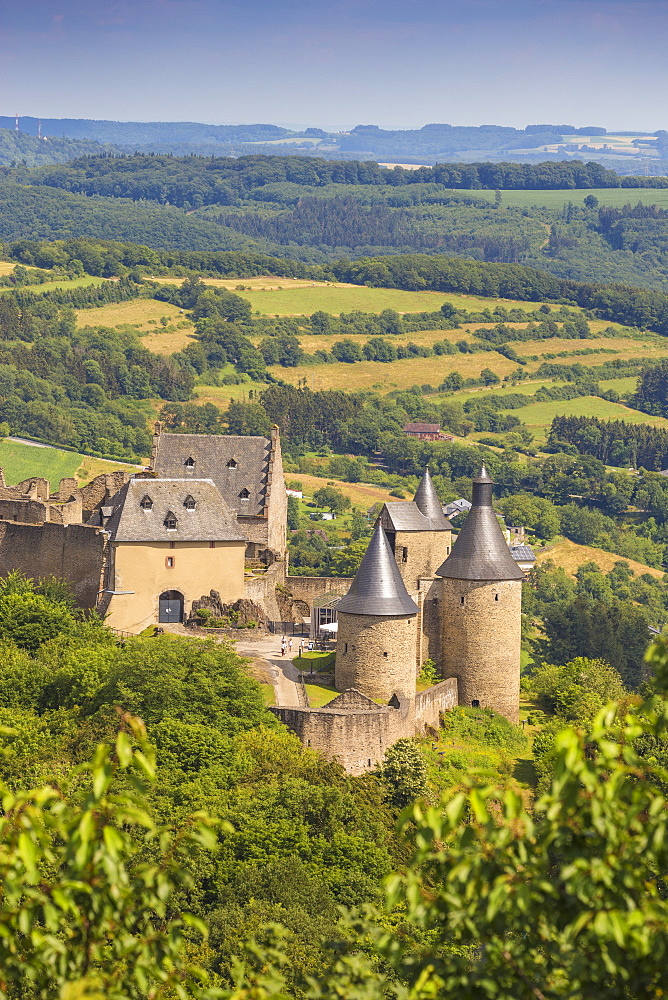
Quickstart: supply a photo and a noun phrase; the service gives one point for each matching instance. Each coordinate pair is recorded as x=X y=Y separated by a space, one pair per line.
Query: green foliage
x=578 y=690
x=428 y=673
x=333 y=499
x=88 y=877
x=404 y=771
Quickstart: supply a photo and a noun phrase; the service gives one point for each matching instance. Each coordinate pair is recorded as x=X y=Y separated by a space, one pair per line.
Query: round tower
x=481 y=610
x=376 y=639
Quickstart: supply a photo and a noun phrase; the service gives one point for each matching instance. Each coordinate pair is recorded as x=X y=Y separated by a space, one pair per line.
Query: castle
x=417 y=596
x=209 y=514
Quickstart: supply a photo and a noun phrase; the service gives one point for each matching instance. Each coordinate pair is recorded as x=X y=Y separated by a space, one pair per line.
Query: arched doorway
x=170 y=607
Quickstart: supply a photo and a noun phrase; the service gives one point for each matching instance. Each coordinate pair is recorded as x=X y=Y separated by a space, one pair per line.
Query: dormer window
x=189 y=463
x=189 y=503
x=244 y=495
x=170 y=521
x=232 y=464
x=146 y=503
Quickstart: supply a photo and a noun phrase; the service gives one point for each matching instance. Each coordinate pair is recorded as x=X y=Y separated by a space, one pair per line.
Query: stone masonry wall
x=420 y=554
x=358 y=738
x=307 y=588
x=376 y=655
x=429 y=601
x=430 y=704
x=74 y=553
x=481 y=642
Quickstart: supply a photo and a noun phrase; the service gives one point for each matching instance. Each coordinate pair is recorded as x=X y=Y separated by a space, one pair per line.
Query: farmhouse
x=426 y=432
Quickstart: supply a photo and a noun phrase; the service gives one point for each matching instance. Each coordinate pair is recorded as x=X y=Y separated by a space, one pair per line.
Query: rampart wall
x=430 y=704
x=307 y=588
x=73 y=552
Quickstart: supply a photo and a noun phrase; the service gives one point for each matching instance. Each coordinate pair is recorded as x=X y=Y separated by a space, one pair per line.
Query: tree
x=404 y=771
x=333 y=499
x=84 y=912
x=346 y=561
x=294 y=513
x=489 y=377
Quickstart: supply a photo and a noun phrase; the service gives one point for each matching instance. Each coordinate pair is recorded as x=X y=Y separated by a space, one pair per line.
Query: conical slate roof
x=377 y=588
x=480 y=551
x=426 y=499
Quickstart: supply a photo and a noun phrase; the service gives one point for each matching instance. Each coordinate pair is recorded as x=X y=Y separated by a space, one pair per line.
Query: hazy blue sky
x=399 y=63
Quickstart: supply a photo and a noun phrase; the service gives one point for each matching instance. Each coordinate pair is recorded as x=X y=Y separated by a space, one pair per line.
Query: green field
x=617 y=197
x=288 y=297
x=539 y=416
x=23 y=461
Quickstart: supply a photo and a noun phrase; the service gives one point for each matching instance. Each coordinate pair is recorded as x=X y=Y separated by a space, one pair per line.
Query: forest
x=327 y=212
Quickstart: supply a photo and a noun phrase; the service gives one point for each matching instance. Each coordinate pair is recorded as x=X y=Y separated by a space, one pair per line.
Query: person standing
x=290 y=645
x=283 y=646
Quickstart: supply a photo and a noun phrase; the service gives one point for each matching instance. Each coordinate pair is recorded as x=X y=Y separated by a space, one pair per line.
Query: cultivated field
x=571 y=556
x=23 y=461
x=271 y=296
x=65 y=283
x=395 y=375
x=617 y=197
x=144 y=316
x=539 y=416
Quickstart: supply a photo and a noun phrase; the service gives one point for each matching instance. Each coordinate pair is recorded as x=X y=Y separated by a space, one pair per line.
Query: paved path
x=284 y=676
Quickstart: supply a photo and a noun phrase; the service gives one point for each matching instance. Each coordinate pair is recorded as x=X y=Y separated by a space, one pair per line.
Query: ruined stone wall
x=376 y=655
x=420 y=554
x=100 y=489
x=430 y=704
x=262 y=590
x=26 y=511
x=307 y=588
x=358 y=738
x=481 y=642
x=74 y=553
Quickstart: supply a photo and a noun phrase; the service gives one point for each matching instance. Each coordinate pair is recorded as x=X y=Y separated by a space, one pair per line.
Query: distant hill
x=19 y=149
x=625 y=152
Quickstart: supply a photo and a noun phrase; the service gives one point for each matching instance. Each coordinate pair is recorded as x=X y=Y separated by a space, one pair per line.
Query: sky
x=338 y=63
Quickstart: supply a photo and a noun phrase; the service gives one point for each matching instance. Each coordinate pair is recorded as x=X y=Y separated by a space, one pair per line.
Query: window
x=496 y=597
x=232 y=464
x=345 y=647
x=404 y=554
x=461 y=600
x=146 y=503
x=244 y=494
x=169 y=562
x=212 y=545
x=170 y=521
x=475 y=703
x=189 y=503
x=189 y=463
x=447 y=550
x=385 y=654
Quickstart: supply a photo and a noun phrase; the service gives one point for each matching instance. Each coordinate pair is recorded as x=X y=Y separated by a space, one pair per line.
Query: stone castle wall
x=307 y=588
x=420 y=554
x=481 y=642
x=429 y=600
x=376 y=655
x=75 y=553
x=357 y=732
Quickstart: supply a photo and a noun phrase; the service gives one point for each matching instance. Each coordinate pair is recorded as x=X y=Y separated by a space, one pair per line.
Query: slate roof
x=213 y=455
x=456 y=507
x=424 y=513
x=422 y=428
x=210 y=520
x=377 y=588
x=480 y=551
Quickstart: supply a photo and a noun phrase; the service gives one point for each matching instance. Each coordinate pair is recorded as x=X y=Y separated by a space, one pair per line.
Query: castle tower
x=419 y=533
x=481 y=610
x=375 y=648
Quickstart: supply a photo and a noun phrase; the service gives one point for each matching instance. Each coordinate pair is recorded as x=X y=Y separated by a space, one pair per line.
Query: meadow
x=23 y=461
x=539 y=416
x=615 y=197
x=59 y=283
x=271 y=296
x=144 y=316
x=570 y=556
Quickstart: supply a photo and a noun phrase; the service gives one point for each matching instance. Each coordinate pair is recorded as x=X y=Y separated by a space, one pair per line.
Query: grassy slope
x=144 y=315
x=23 y=461
x=570 y=556
x=539 y=416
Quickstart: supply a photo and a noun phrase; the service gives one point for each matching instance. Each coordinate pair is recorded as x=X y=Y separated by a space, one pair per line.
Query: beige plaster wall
x=481 y=642
x=141 y=567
